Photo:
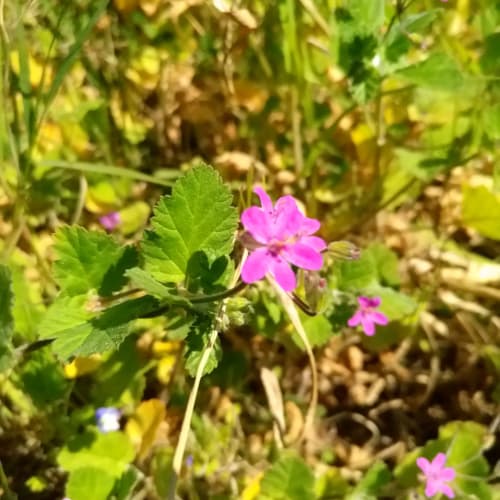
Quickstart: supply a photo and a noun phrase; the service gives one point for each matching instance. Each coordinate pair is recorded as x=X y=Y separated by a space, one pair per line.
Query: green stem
x=188 y=415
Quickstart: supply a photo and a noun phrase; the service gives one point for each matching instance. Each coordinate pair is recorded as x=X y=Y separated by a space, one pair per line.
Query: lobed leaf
x=198 y=216
x=84 y=259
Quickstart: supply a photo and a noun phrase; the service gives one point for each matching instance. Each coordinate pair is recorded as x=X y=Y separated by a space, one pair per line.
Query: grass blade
x=72 y=55
x=100 y=168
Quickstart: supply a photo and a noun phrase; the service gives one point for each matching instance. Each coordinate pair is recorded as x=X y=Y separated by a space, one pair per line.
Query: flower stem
x=188 y=415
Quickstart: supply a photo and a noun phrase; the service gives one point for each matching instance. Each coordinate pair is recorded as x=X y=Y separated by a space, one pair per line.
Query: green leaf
x=43 y=379
x=198 y=216
x=318 y=330
x=64 y=313
x=126 y=484
x=438 y=72
x=65 y=66
x=6 y=302
x=368 y=15
x=110 y=170
x=89 y=482
x=111 y=452
x=357 y=274
x=398 y=41
x=491 y=121
x=395 y=305
x=490 y=59
x=481 y=211
x=372 y=483
x=288 y=479
x=196 y=342
x=83 y=259
x=142 y=279
x=78 y=335
x=115 y=278
x=386 y=262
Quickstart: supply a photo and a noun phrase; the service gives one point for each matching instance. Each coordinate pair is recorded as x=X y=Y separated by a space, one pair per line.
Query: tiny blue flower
x=108 y=419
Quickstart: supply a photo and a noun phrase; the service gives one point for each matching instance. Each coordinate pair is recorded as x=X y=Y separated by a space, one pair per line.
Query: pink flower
x=110 y=221
x=367 y=316
x=437 y=475
x=282 y=236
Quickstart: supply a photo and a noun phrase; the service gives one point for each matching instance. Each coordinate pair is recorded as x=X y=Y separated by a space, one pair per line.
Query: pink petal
x=309 y=226
x=379 y=318
x=423 y=464
x=431 y=488
x=265 y=201
x=314 y=242
x=283 y=274
x=447 y=491
x=448 y=474
x=256 y=266
x=355 y=320
x=364 y=302
x=303 y=256
x=257 y=223
x=438 y=462
x=368 y=326
x=287 y=218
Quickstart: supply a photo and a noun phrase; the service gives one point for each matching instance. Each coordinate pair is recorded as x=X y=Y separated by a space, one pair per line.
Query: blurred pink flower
x=110 y=221
x=367 y=316
x=436 y=475
x=281 y=236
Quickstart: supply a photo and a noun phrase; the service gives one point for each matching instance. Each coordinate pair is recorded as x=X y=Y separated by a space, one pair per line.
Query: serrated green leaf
x=196 y=341
x=115 y=278
x=395 y=305
x=481 y=210
x=111 y=452
x=386 y=262
x=79 y=335
x=83 y=259
x=288 y=479
x=398 y=40
x=198 y=216
x=372 y=483
x=491 y=121
x=89 y=482
x=490 y=59
x=43 y=379
x=146 y=282
x=6 y=302
x=438 y=72
x=368 y=15
x=63 y=314
x=318 y=330
x=357 y=274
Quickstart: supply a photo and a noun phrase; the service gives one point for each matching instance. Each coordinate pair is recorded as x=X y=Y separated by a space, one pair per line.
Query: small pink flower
x=110 y=221
x=436 y=475
x=282 y=236
x=367 y=316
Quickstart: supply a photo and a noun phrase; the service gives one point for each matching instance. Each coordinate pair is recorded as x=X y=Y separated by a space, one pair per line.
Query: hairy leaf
x=84 y=258
x=288 y=479
x=198 y=216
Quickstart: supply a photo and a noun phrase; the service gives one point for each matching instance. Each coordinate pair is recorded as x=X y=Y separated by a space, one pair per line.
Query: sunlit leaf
x=288 y=479
x=89 y=482
x=198 y=216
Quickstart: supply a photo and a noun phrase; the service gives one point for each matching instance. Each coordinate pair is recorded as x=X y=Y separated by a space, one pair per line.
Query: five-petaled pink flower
x=110 y=221
x=437 y=475
x=282 y=236
x=367 y=316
